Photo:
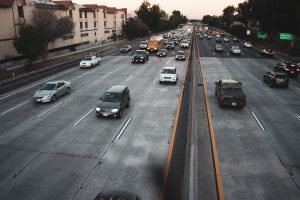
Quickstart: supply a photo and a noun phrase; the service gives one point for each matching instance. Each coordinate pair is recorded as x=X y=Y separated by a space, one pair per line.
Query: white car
x=247 y=45
x=168 y=74
x=143 y=45
x=89 y=61
x=235 y=50
x=225 y=39
x=184 y=44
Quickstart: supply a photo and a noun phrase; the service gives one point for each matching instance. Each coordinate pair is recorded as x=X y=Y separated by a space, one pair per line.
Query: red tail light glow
x=222 y=98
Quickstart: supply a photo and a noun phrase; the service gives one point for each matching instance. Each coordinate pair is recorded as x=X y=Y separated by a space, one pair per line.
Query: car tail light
x=222 y=98
x=273 y=78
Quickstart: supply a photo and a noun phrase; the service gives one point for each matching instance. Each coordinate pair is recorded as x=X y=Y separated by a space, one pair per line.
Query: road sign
x=248 y=32
x=261 y=35
x=286 y=36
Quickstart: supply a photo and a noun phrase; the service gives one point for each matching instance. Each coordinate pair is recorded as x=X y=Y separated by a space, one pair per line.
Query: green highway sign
x=286 y=36
x=261 y=35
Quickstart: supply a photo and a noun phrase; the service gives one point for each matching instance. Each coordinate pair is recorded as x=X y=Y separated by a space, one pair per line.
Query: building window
x=105 y=24
x=81 y=26
x=94 y=14
x=68 y=37
x=122 y=16
x=104 y=14
x=106 y=31
x=95 y=24
x=70 y=13
x=113 y=31
x=84 y=34
x=85 y=14
x=80 y=14
x=123 y=23
x=20 y=11
x=86 y=25
x=115 y=23
x=95 y=33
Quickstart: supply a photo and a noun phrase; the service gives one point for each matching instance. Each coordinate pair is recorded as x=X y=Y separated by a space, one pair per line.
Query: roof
x=229 y=81
x=116 y=88
x=65 y=4
x=169 y=67
x=90 y=7
x=55 y=82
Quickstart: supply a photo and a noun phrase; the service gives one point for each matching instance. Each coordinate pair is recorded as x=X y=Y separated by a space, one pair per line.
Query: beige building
x=92 y=23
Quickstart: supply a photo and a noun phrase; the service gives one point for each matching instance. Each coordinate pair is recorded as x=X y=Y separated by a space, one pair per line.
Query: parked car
x=180 y=55
x=290 y=69
x=248 y=45
x=273 y=78
x=162 y=53
x=140 y=56
x=235 y=50
x=219 y=48
x=267 y=52
x=143 y=45
x=230 y=93
x=89 y=61
x=125 y=48
x=50 y=91
x=168 y=74
x=113 y=102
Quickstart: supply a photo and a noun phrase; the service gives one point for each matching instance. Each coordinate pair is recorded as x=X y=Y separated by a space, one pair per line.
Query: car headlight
x=142 y=57
x=132 y=57
x=98 y=109
x=155 y=48
x=46 y=97
x=114 y=110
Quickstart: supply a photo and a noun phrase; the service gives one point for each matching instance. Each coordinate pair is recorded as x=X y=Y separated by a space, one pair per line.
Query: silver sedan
x=50 y=91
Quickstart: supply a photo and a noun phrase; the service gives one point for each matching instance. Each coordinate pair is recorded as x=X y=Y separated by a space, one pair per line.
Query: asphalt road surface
x=258 y=146
x=63 y=151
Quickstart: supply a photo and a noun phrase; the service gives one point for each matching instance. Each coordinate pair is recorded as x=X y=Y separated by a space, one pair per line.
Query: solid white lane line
x=17 y=106
x=128 y=78
x=154 y=81
x=107 y=74
x=298 y=88
x=123 y=128
x=191 y=179
x=298 y=116
x=44 y=113
x=259 y=123
x=37 y=83
x=82 y=118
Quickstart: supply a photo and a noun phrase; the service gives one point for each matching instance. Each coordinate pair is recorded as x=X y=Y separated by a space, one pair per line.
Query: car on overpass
x=113 y=102
x=50 y=91
x=229 y=93
x=273 y=78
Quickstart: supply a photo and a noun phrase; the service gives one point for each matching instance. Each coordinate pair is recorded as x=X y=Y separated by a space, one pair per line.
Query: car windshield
x=87 y=59
x=235 y=48
x=153 y=43
x=144 y=42
x=281 y=76
x=162 y=51
x=48 y=87
x=180 y=53
x=219 y=47
x=111 y=97
x=168 y=71
x=139 y=52
x=125 y=46
x=170 y=43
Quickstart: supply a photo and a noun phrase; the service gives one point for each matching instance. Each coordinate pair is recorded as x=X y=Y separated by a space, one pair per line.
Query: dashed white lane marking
x=128 y=78
x=44 y=113
x=107 y=74
x=154 y=81
x=82 y=118
x=259 y=123
x=123 y=128
x=298 y=116
x=17 y=106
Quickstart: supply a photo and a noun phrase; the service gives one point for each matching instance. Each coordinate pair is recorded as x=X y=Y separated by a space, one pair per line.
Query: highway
x=258 y=146
x=61 y=150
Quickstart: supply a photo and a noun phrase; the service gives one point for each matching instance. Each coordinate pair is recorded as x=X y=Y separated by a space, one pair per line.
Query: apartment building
x=92 y=22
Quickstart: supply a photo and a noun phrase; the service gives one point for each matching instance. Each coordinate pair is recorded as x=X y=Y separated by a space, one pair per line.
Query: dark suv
x=290 y=69
x=276 y=78
x=113 y=102
x=140 y=56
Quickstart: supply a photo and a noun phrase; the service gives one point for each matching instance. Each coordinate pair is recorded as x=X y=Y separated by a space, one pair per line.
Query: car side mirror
x=100 y=98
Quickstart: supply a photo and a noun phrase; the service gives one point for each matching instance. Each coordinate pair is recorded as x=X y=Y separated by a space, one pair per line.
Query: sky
x=193 y=9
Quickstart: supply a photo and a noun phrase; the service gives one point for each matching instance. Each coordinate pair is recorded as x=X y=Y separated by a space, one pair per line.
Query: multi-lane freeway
x=61 y=150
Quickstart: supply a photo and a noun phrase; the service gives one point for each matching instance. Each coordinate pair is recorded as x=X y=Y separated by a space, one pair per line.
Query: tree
x=135 y=28
x=228 y=15
x=31 y=42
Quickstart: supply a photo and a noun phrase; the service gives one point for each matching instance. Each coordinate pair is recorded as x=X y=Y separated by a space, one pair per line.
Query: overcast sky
x=190 y=8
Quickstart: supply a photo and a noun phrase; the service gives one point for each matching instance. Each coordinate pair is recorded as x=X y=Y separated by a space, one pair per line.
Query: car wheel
x=120 y=114
x=54 y=98
x=68 y=90
x=160 y=82
x=270 y=84
x=128 y=104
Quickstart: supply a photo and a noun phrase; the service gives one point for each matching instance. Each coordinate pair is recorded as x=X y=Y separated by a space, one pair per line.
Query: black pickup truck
x=230 y=93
